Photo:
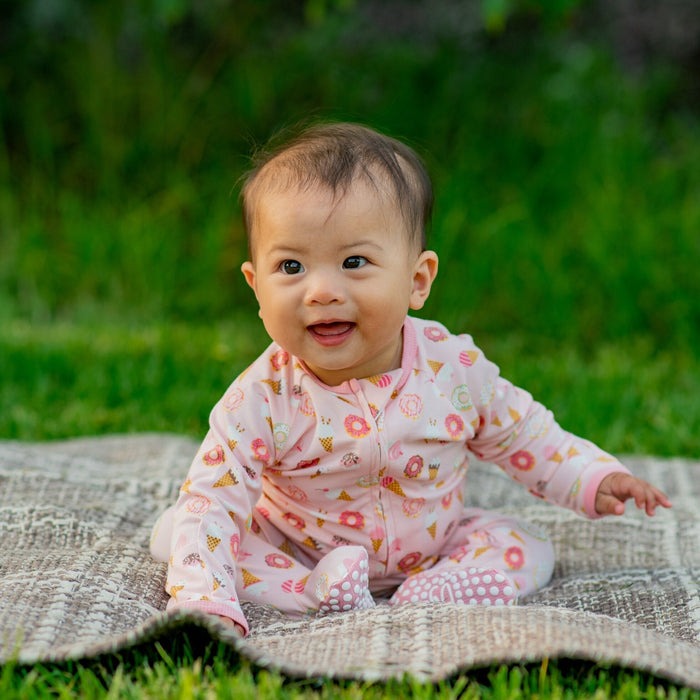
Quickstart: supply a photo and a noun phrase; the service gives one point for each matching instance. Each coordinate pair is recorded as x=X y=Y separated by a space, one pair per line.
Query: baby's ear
x=424 y=272
x=248 y=271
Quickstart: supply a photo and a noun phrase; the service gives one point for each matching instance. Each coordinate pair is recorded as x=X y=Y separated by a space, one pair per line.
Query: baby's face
x=335 y=278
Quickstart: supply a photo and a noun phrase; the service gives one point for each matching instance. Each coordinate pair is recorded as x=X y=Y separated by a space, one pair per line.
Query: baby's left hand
x=616 y=488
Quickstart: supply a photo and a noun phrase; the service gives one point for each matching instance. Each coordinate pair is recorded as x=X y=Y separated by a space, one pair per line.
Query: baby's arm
x=215 y=509
x=617 y=487
x=522 y=436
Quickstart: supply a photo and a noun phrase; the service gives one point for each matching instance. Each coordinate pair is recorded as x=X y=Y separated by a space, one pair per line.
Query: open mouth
x=333 y=333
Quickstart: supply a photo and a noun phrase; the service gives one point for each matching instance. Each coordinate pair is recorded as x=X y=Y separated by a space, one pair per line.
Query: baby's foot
x=346 y=585
x=469 y=587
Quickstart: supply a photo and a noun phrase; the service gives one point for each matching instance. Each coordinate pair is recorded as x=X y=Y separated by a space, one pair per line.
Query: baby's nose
x=324 y=287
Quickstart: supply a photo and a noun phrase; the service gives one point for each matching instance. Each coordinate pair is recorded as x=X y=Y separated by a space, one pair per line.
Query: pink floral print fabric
x=292 y=469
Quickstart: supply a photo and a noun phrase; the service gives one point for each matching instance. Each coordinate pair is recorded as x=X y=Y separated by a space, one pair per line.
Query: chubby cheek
x=281 y=324
x=385 y=312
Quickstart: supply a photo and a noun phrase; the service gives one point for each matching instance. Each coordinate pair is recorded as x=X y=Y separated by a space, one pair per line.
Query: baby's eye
x=291 y=267
x=354 y=261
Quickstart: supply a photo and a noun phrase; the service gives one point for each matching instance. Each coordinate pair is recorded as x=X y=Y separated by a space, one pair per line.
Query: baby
x=334 y=471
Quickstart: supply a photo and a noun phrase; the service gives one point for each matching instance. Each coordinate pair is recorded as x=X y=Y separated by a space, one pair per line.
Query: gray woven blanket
x=76 y=579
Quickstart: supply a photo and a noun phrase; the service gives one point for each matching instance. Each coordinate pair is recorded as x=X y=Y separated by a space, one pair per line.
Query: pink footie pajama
x=317 y=498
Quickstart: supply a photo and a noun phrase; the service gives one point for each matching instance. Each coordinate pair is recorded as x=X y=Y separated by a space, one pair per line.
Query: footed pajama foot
x=466 y=586
x=343 y=584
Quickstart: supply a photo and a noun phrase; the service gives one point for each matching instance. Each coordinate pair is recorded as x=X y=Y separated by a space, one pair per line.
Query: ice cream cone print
x=287 y=548
x=325 y=434
x=468 y=357
x=214 y=535
x=380 y=380
x=228 y=479
x=433 y=469
x=479 y=551
x=248 y=578
x=193 y=559
x=432 y=432
x=320 y=522
x=275 y=384
x=513 y=414
x=174 y=590
x=310 y=542
x=431 y=523
x=435 y=366
x=186 y=485
x=234 y=435
x=376 y=544
x=392 y=485
x=344 y=496
x=554 y=456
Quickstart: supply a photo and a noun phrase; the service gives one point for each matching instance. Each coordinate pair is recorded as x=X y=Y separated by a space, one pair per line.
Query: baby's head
x=336 y=222
x=333 y=157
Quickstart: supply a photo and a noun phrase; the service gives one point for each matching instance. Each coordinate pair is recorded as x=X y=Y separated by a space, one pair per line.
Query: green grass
x=216 y=672
x=65 y=379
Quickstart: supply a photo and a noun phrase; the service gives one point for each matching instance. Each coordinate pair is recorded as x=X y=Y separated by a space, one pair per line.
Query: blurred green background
x=564 y=142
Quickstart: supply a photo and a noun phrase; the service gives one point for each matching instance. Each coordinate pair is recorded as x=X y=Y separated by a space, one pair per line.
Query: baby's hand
x=232 y=625
x=617 y=487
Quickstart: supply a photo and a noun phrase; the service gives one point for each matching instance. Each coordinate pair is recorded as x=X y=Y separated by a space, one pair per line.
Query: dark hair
x=334 y=156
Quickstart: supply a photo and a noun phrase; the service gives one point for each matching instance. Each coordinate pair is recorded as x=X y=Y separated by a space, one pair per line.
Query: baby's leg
x=337 y=583
x=491 y=560
x=267 y=574
x=520 y=550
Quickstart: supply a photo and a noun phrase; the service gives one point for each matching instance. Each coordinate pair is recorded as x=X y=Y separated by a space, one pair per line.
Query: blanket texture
x=76 y=579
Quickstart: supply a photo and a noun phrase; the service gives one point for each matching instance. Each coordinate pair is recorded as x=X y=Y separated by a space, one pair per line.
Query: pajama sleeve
x=216 y=504
x=522 y=437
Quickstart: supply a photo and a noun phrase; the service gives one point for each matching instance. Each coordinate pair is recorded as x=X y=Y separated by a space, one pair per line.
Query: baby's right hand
x=232 y=625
